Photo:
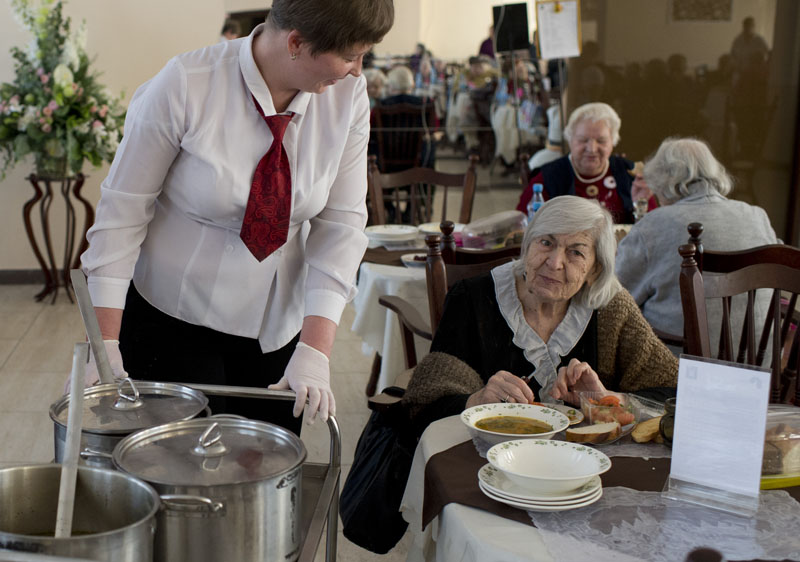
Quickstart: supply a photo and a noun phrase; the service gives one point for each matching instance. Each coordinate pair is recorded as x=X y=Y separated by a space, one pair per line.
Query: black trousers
x=155 y=346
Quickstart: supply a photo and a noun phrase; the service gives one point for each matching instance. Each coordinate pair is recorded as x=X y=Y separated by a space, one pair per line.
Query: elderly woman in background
x=542 y=328
x=376 y=84
x=691 y=186
x=589 y=170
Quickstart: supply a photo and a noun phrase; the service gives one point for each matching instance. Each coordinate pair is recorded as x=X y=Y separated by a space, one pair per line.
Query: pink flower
x=97 y=123
x=45 y=78
x=93 y=109
x=47 y=111
x=39 y=71
x=14 y=100
x=47 y=128
x=103 y=110
x=53 y=105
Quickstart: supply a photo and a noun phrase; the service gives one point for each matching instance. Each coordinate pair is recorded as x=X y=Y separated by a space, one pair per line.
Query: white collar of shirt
x=545 y=357
x=255 y=82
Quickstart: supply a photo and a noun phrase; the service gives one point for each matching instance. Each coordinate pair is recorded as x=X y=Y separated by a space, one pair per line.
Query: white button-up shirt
x=172 y=205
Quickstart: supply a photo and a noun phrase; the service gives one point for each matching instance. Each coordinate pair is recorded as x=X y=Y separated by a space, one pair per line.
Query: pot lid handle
x=210 y=442
x=129 y=401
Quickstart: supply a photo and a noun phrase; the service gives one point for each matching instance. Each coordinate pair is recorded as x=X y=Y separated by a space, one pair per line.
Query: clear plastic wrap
x=493 y=231
x=781 y=466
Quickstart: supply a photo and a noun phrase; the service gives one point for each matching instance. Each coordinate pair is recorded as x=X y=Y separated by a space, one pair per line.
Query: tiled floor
x=36 y=342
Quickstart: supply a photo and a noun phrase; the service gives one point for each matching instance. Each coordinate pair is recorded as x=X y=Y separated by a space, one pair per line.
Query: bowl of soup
x=495 y=423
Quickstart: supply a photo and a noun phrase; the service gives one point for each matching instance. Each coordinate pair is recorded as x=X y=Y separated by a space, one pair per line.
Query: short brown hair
x=334 y=25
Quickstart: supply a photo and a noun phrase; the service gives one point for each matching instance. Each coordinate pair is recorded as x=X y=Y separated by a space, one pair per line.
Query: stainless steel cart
x=320 y=510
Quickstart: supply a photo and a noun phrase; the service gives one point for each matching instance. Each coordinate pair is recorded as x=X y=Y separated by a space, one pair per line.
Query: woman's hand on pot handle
x=576 y=377
x=502 y=387
x=309 y=375
x=92 y=375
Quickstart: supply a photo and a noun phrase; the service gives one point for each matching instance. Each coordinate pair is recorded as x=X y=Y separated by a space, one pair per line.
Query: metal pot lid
x=209 y=452
x=132 y=405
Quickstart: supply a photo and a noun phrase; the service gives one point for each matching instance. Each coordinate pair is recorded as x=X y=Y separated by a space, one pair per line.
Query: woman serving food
x=236 y=205
x=545 y=327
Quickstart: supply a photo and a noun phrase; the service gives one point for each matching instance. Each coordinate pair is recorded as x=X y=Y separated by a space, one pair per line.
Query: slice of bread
x=597 y=433
x=647 y=430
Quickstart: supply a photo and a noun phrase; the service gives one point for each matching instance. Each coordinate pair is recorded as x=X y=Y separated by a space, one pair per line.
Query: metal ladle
x=69 y=466
x=92 y=327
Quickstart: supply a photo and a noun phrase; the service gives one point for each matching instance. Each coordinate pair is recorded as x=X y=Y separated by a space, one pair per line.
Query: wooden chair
x=402 y=133
x=445 y=266
x=415 y=187
x=775 y=267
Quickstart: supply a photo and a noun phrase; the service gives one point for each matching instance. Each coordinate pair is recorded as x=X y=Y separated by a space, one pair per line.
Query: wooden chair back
x=402 y=130
x=415 y=187
x=446 y=265
x=775 y=267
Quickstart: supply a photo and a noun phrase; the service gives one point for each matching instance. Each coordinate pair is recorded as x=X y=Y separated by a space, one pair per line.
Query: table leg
x=55 y=277
x=374 y=373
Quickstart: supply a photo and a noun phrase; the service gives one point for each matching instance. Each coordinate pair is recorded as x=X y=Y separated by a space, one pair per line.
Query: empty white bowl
x=554 y=418
x=546 y=466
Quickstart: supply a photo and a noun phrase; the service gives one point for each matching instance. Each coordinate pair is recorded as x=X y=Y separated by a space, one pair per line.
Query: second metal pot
x=113 y=411
x=247 y=474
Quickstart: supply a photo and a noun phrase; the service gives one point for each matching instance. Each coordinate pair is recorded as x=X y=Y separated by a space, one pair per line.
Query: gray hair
x=685 y=166
x=594 y=112
x=568 y=214
x=400 y=80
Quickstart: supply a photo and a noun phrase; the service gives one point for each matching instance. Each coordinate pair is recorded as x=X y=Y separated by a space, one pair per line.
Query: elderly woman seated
x=542 y=328
x=691 y=186
x=589 y=170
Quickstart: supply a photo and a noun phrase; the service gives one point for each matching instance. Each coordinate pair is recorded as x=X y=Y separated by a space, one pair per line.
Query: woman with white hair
x=542 y=328
x=589 y=170
x=691 y=186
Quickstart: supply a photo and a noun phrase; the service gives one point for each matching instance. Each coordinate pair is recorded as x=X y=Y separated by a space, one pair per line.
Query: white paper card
x=557 y=27
x=720 y=419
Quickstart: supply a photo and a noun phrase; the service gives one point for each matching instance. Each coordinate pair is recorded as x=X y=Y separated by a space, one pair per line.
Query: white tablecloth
x=461 y=533
x=642 y=522
x=377 y=325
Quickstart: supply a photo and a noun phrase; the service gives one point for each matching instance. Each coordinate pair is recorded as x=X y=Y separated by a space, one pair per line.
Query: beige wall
x=639 y=31
x=131 y=40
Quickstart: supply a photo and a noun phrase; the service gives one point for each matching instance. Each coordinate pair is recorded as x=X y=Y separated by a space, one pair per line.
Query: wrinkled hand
x=309 y=375
x=502 y=387
x=640 y=189
x=576 y=377
x=92 y=376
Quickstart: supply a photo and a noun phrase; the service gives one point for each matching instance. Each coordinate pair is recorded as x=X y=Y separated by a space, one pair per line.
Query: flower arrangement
x=55 y=108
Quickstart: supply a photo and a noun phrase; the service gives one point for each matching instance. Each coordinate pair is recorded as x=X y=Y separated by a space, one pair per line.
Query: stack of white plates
x=496 y=485
x=392 y=233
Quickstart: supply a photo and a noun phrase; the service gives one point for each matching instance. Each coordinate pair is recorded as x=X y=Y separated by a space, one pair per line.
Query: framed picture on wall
x=700 y=10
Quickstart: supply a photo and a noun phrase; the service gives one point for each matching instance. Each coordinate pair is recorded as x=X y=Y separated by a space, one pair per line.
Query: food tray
x=320 y=509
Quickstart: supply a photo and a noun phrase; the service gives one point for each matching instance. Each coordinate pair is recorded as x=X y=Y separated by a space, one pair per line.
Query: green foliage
x=55 y=107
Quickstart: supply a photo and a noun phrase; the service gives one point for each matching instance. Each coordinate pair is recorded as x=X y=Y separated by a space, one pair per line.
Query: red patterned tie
x=266 y=219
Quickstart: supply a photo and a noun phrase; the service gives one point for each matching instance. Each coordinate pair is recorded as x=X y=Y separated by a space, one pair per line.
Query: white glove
x=309 y=375
x=92 y=376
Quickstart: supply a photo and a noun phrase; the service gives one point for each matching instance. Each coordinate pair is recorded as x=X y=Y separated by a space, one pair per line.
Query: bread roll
x=646 y=431
x=597 y=433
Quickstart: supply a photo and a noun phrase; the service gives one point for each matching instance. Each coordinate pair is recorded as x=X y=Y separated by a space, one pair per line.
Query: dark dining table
x=451 y=519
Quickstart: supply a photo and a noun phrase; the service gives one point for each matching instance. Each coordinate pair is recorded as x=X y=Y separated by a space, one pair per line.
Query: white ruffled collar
x=545 y=357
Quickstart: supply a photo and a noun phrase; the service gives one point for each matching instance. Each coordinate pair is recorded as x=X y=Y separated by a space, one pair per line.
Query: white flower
x=80 y=36
x=62 y=76
x=83 y=128
x=113 y=141
x=27 y=118
x=70 y=56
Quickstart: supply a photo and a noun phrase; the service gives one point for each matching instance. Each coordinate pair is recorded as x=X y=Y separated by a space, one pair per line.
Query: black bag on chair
x=370 y=500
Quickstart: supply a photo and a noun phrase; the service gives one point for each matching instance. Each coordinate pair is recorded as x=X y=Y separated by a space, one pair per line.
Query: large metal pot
x=249 y=474
x=113 y=411
x=114 y=517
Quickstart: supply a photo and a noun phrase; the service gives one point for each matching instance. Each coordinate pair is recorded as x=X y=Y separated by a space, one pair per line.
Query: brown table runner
x=444 y=485
x=383 y=256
